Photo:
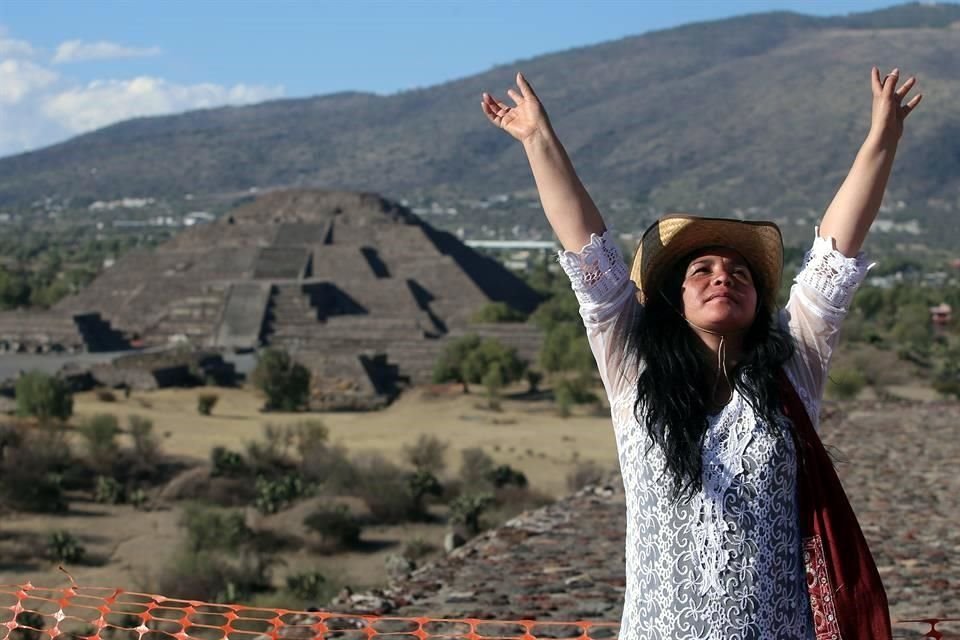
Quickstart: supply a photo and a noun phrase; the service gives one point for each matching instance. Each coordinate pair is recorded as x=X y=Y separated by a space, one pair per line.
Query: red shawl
x=846 y=593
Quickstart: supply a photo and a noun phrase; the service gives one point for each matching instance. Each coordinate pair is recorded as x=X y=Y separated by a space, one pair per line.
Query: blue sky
x=69 y=67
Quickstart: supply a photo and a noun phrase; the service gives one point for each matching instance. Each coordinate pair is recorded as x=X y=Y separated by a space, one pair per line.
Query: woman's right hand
x=522 y=121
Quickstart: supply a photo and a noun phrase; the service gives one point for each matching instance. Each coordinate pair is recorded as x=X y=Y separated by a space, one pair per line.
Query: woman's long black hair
x=676 y=385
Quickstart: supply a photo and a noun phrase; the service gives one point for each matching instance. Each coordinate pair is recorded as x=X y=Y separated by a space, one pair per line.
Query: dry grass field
x=127 y=548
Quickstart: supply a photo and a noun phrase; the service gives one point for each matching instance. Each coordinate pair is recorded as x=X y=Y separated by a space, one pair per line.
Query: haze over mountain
x=764 y=111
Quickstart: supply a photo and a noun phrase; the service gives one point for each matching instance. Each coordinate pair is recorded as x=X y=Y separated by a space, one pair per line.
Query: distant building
x=940 y=315
x=198 y=217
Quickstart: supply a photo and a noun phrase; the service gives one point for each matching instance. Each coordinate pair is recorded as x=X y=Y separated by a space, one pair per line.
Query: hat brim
x=677 y=235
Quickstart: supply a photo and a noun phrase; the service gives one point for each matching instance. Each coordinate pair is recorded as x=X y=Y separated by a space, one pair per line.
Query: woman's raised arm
x=853 y=209
x=569 y=208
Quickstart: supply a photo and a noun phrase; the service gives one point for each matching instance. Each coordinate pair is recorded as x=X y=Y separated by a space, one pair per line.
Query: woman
x=736 y=524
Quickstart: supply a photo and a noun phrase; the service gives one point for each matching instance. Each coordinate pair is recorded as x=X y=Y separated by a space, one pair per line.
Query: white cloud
x=39 y=106
x=19 y=78
x=106 y=101
x=79 y=51
x=12 y=48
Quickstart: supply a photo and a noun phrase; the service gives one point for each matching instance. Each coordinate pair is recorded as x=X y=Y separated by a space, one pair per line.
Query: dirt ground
x=127 y=548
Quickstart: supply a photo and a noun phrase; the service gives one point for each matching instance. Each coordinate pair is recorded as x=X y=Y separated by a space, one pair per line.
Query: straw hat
x=675 y=235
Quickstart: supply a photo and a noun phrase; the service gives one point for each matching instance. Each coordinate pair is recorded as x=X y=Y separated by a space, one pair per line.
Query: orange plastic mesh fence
x=91 y=613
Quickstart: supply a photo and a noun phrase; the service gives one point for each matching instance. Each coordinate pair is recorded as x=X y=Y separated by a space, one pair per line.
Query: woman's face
x=718 y=292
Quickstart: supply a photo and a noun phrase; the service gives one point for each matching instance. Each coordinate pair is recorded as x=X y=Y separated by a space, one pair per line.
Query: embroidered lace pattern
x=597 y=271
x=728 y=563
x=824 y=288
x=833 y=275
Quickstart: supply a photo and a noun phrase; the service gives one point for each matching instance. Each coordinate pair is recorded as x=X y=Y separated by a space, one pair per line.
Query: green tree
x=493 y=382
x=561 y=308
x=912 y=328
x=43 y=396
x=498 y=312
x=14 y=290
x=565 y=348
x=870 y=301
x=489 y=353
x=468 y=359
x=448 y=367
x=285 y=382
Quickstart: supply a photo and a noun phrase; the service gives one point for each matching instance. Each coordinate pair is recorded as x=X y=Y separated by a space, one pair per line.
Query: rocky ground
x=898 y=463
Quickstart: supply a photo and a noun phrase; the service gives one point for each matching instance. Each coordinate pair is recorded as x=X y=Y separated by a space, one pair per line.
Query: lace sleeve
x=608 y=301
x=819 y=300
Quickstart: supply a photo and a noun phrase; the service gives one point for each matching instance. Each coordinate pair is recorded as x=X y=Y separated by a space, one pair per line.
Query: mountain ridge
x=668 y=119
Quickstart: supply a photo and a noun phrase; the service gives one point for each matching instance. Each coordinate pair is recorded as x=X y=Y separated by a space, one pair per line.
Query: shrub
x=100 y=432
x=30 y=626
x=331 y=467
x=213 y=577
x=63 y=546
x=422 y=483
x=504 y=475
x=206 y=402
x=273 y=452
x=579 y=389
x=493 y=383
x=285 y=382
x=567 y=393
x=213 y=529
x=308 y=585
x=384 y=489
x=475 y=466
x=108 y=491
x=105 y=395
x=274 y=495
x=585 y=473
x=226 y=462
x=427 y=453
x=138 y=499
x=845 y=384
x=335 y=525
x=145 y=444
x=43 y=396
x=498 y=312
x=417 y=548
x=533 y=380
x=468 y=508
x=510 y=501
x=309 y=434
x=563 y=398
x=32 y=467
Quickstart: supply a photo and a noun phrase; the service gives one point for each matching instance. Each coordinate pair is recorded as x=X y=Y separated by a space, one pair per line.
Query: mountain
x=762 y=111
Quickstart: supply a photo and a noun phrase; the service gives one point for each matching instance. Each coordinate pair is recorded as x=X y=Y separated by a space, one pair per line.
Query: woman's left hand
x=888 y=113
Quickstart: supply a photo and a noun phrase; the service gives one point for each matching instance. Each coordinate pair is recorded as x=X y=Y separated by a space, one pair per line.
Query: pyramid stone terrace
x=356 y=287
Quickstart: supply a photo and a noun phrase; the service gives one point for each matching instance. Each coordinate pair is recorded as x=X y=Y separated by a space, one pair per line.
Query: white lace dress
x=728 y=563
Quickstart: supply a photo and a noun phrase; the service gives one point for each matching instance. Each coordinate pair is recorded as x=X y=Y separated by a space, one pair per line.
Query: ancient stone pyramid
x=358 y=287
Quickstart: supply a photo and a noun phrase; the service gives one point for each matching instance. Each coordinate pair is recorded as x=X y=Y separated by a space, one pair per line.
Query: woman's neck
x=720 y=355
x=732 y=348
